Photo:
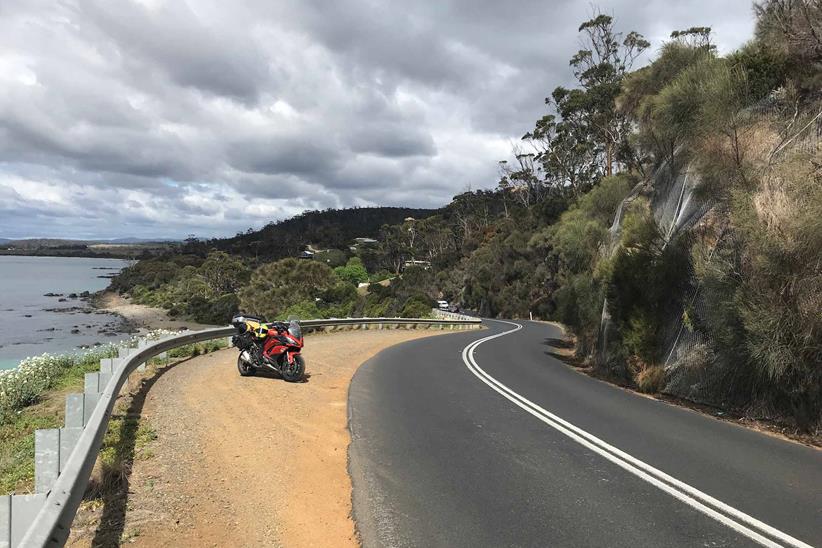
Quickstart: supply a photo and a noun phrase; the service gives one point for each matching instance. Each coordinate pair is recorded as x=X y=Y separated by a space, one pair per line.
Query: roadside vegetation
x=32 y=397
x=25 y=384
x=576 y=229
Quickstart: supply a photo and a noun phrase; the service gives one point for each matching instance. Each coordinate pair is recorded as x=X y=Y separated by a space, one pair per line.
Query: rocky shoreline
x=124 y=318
x=138 y=316
x=87 y=304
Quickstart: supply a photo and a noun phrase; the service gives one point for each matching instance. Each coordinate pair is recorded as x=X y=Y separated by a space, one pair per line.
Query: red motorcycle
x=271 y=346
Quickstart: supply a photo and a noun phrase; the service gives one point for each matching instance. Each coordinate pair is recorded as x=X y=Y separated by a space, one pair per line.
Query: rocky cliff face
x=676 y=207
x=679 y=206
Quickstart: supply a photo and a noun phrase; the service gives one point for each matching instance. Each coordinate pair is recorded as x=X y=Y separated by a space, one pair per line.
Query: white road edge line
x=676 y=488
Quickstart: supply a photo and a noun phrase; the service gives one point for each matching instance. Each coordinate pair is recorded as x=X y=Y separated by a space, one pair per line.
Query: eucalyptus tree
x=586 y=135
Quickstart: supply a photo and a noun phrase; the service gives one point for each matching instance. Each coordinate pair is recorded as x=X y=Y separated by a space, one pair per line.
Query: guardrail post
x=74 y=411
x=16 y=513
x=89 y=403
x=52 y=448
x=141 y=346
x=5 y=521
x=68 y=439
x=46 y=459
x=95 y=382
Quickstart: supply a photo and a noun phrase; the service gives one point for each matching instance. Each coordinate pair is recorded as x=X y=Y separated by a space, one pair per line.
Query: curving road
x=484 y=439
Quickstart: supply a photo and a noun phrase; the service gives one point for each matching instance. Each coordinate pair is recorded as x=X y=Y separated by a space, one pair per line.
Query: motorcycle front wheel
x=293 y=372
x=245 y=369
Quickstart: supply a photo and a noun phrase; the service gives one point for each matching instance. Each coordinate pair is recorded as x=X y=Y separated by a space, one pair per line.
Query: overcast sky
x=158 y=118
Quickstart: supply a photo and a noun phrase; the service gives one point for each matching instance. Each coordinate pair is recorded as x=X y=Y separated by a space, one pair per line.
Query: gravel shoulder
x=251 y=461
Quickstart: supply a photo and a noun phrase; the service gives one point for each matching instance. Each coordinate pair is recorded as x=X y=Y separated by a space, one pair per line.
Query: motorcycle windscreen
x=294 y=330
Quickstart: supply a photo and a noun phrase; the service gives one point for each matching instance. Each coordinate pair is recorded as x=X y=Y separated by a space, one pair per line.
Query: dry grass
x=651 y=380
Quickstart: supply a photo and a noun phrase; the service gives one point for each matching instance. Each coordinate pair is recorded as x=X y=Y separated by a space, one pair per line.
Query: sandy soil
x=249 y=461
x=141 y=316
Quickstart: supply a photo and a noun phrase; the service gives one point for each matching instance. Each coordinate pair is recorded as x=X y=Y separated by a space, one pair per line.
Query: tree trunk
x=609 y=159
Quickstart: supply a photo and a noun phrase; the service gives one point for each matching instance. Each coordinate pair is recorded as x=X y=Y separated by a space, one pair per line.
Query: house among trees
x=418 y=263
x=362 y=242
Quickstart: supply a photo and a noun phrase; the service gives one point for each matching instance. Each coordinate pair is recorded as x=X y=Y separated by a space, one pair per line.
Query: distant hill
x=138 y=241
x=127 y=248
x=332 y=228
x=35 y=243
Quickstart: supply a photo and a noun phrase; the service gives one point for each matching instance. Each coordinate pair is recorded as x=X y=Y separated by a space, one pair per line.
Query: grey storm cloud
x=171 y=39
x=167 y=117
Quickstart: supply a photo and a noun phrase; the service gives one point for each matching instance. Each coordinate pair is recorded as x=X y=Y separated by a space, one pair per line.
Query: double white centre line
x=739 y=521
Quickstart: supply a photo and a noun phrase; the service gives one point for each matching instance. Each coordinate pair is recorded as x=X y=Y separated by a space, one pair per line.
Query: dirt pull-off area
x=248 y=461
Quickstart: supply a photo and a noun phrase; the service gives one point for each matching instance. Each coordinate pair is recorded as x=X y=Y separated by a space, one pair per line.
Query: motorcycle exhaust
x=268 y=364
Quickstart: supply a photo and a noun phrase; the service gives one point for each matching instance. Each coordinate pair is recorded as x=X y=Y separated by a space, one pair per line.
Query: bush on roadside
x=217 y=311
x=648 y=281
x=417 y=306
x=303 y=310
x=577 y=242
x=651 y=380
x=764 y=283
x=375 y=305
x=275 y=287
x=24 y=384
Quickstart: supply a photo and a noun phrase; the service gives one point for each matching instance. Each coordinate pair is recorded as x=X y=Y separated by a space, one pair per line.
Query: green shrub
x=764 y=285
x=339 y=294
x=218 y=311
x=765 y=68
x=416 y=306
x=353 y=272
x=303 y=310
x=379 y=276
x=578 y=242
x=648 y=281
x=578 y=303
x=152 y=273
x=24 y=384
x=332 y=257
x=377 y=308
x=274 y=287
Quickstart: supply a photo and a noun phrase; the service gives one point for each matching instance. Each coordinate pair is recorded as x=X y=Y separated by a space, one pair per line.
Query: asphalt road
x=503 y=445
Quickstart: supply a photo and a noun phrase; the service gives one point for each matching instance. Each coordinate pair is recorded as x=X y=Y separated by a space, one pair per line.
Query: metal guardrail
x=446 y=315
x=65 y=457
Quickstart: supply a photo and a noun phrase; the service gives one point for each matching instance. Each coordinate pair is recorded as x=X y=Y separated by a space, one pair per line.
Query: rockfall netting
x=677 y=206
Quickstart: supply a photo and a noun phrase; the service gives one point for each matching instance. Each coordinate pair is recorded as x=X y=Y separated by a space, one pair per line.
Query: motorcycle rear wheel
x=245 y=369
x=293 y=372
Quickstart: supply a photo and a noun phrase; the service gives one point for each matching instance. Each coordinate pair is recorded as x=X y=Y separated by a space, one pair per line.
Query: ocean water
x=31 y=323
